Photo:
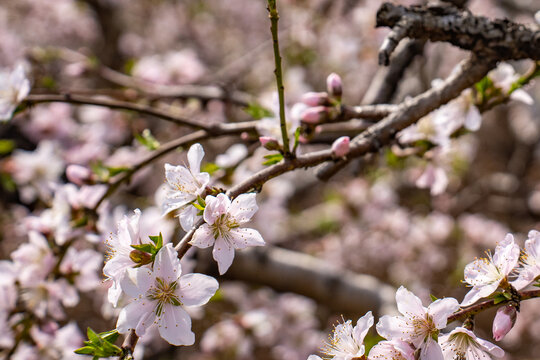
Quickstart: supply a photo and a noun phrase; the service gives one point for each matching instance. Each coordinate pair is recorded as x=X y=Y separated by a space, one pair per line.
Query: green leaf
x=499 y=298
x=433 y=297
x=201 y=201
x=93 y=337
x=257 y=111
x=110 y=336
x=296 y=137
x=272 y=159
x=6 y=146
x=7 y=182
x=116 y=170
x=147 y=140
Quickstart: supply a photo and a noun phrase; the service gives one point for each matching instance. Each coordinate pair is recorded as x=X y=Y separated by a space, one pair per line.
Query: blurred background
x=372 y=218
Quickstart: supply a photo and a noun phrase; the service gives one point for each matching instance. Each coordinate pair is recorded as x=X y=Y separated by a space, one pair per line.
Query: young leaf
x=272 y=159
x=257 y=111
x=147 y=140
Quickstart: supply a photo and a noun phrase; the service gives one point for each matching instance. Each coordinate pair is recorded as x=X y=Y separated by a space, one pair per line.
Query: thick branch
x=500 y=39
x=291 y=271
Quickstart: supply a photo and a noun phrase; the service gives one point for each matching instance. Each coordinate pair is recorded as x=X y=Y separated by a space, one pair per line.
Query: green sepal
x=201 y=201
x=148 y=248
x=433 y=297
x=272 y=159
x=500 y=297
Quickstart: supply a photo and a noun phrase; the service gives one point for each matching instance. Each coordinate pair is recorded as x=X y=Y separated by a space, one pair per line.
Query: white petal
x=431 y=350
x=409 y=304
x=244 y=237
x=506 y=255
x=167 y=265
x=203 y=237
x=491 y=348
x=244 y=207
x=174 y=326
x=523 y=96
x=131 y=314
x=137 y=281
x=195 y=156
x=441 y=309
x=362 y=327
x=187 y=217
x=393 y=327
x=196 y=289
x=223 y=253
x=215 y=207
x=473 y=119
x=478 y=292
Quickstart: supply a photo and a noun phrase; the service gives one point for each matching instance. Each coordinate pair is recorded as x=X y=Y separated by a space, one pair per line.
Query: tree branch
x=500 y=39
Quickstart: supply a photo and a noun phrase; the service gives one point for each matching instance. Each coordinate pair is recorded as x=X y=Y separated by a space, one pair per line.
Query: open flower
x=347 y=342
x=464 y=344
x=184 y=185
x=14 y=87
x=119 y=251
x=418 y=325
x=159 y=296
x=223 y=229
x=486 y=274
x=530 y=261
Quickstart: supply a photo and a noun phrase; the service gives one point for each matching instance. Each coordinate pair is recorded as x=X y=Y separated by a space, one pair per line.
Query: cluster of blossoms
x=416 y=333
x=151 y=274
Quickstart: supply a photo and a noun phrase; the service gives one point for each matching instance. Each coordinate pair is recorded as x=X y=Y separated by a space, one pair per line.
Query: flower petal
x=135 y=312
x=243 y=207
x=393 y=327
x=167 y=265
x=244 y=237
x=196 y=289
x=431 y=350
x=441 y=309
x=174 y=326
x=203 y=237
x=362 y=327
x=478 y=292
x=136 y=281
x=187 y=217
x=223 y=253
x=506 y=255
x=409 y=304
x=195 y=156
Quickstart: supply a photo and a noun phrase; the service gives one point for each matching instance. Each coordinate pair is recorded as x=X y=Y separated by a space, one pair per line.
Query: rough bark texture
x=501 y=39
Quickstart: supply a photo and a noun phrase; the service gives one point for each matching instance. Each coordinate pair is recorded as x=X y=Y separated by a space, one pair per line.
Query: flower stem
x=274 y=17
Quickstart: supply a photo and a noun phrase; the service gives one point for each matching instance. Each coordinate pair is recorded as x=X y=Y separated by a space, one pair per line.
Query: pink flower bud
x=314 y=115
x=315 y=98
x=78 y=174
x=340 y=147
x=334 y=85
x=269 y=143
x=504 y=321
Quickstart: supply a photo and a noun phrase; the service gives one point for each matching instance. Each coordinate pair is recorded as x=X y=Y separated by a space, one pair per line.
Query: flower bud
x=314 y=115
x=340 y=147
x=315 y=98
x=78 y=174
x=140 y=257
x=504 y=321
x=269 y=143
x=334 y=85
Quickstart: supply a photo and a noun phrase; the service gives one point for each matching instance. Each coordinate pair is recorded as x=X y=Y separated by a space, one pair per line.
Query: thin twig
x=113 y=104
x=274 y=18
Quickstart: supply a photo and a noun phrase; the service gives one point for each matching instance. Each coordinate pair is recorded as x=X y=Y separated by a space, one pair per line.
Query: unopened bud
x=314 y=115
x=78 y=174
x=504 y=321
x=140 y=257
x=334 y=85
x=269 y=143
x=340 y=147
x=315 y=98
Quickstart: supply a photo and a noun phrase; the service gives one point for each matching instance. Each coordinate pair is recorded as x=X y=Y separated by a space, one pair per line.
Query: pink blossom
x=78 y=174
x=223 y=229
x=418 y=325
x=486 y=274
x=315 y=98
x=159 y=296
x=391 y=350
x=314 y=115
